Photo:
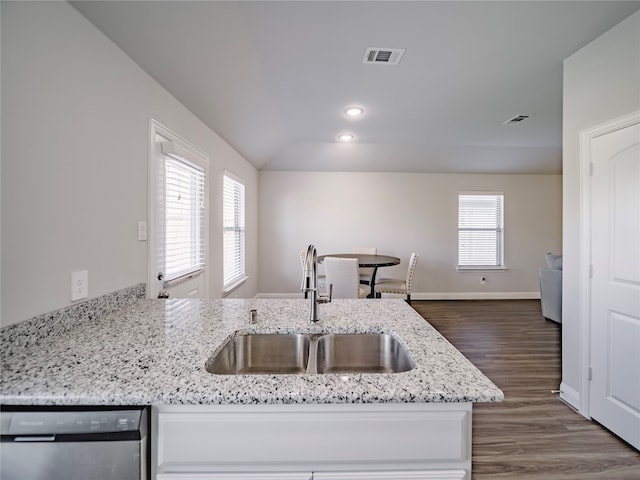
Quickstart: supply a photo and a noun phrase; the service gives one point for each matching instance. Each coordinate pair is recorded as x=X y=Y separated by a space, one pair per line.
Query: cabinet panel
x=235 y=476
x=315 y=438
x=393 y=475
x=390 y=475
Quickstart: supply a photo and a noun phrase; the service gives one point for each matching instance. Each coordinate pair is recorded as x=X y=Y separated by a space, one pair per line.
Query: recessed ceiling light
x=354 y=111
x=346 y=137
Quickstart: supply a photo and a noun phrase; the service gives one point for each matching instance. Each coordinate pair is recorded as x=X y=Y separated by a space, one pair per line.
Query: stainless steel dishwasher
x=74 y=443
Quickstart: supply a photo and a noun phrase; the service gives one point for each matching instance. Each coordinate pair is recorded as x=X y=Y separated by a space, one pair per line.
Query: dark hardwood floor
x=532 y=434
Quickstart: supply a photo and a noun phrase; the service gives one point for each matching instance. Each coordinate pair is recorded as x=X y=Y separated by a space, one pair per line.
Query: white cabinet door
x=393 y=475
x=323 y=437
x=355 y=442
x=235 y=476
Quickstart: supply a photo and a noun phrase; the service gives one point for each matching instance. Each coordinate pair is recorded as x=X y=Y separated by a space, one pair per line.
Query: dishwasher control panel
x=69 y=422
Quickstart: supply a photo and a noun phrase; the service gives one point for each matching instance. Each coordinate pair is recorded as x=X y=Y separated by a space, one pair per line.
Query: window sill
x=230 y=288
x=469 y=268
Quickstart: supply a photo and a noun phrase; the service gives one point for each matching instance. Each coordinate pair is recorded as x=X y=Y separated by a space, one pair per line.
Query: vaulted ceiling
x=274 y=78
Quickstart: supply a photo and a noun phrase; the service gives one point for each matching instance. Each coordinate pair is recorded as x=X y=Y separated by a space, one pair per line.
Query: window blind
x=480 y=230
x=184 y=218
x=234 y=231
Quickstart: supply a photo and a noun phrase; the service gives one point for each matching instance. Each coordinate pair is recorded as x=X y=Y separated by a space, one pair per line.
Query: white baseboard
x=436 y=296
x=570 y=396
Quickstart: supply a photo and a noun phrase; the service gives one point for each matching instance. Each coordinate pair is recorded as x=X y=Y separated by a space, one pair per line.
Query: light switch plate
x=79 y=285
x=142 y=230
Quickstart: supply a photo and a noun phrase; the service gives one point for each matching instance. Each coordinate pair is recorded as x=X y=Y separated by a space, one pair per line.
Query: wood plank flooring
x=531 y=435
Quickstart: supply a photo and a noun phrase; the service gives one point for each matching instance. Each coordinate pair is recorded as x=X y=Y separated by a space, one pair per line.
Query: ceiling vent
x=383 y=56
x=516 y=119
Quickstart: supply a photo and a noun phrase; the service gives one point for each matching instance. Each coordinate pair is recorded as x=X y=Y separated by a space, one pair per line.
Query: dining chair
x=365 y=273
x=398 y=285
x=321 y=277
x=342 y=273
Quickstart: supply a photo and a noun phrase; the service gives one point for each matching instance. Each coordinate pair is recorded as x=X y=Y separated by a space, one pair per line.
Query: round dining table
x=367 y=261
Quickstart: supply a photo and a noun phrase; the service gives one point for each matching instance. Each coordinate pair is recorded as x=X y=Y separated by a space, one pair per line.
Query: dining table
x=366 y=260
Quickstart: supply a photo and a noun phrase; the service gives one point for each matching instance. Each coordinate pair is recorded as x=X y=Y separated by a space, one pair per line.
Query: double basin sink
x=301 y=353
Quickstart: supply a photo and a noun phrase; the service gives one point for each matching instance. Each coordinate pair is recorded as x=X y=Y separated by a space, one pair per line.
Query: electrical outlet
x=79 y=285
x=483 y=280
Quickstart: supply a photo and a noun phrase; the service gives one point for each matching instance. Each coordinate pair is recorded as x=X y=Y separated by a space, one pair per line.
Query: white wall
x=601 y=83
x=75 y=126
x=399 y=213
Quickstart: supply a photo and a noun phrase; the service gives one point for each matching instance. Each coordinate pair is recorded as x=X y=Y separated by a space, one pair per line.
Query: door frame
x=586 y=165
x=156 y=127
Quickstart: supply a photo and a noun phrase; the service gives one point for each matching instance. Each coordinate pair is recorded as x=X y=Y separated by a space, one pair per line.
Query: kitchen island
x=154 y=353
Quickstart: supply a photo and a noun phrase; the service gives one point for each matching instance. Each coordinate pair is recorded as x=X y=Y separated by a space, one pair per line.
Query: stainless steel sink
x=362 y=353
x=257 y=353
x=262 y=353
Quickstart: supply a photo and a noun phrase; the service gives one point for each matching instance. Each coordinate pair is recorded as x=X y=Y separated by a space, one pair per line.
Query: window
x=178 y=188
x=480 y=230
x=234 y=232
x=181 y=213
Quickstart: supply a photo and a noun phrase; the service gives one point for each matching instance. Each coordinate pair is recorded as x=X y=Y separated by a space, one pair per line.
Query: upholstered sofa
x=551 y=288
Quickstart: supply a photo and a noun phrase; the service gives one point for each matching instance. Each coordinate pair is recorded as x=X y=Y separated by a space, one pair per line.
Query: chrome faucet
x=310 y=282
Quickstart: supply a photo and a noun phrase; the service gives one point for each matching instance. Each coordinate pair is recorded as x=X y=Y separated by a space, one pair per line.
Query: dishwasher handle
x=38 y=438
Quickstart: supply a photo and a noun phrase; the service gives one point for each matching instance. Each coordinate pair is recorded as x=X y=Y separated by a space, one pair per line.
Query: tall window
x=181 y=216
x=178 y=247
x=480 y=230
x=234 y=231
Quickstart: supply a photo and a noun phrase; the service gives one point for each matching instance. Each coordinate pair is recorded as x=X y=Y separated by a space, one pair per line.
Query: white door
x=615 y=285
x=178 y=216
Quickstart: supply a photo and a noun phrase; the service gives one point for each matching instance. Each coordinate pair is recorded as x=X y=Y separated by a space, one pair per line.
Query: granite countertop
x=154 y=352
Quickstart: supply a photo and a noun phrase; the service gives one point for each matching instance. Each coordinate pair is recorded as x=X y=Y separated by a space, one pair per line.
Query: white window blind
x=234 y=231
x=480 y=230
x=184 y=219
